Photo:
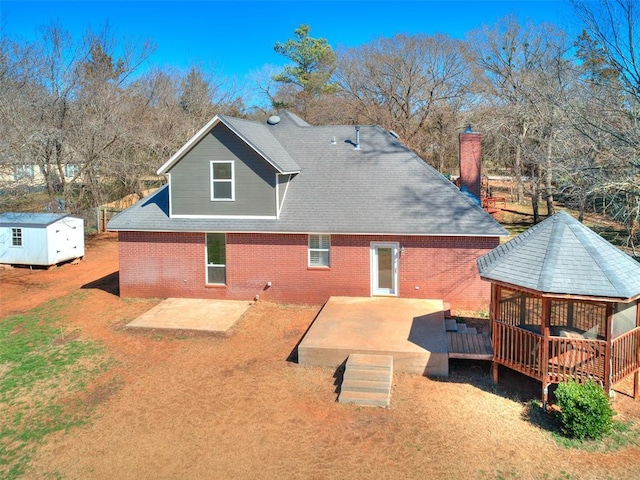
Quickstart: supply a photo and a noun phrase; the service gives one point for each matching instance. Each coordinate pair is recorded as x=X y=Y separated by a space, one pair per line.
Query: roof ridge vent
x=273 y=120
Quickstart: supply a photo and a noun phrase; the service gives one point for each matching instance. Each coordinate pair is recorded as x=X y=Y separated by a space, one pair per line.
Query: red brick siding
x=173 y=265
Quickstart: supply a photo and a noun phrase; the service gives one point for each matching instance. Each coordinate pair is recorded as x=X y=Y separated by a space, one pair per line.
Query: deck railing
x=517 y=349
x=576 y=359
x=624 y=355
x=563 y=358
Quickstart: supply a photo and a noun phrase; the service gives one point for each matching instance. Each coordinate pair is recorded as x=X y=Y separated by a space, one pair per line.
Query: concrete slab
x=410 y=330
x=192 y=314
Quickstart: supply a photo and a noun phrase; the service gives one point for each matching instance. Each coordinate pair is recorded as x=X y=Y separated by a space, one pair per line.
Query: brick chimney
x=470 y=160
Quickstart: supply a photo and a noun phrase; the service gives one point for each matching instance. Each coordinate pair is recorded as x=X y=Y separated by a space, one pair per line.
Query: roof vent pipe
x=357 y=137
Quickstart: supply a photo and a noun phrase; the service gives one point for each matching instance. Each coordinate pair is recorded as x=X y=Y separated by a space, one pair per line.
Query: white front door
x=384 y=269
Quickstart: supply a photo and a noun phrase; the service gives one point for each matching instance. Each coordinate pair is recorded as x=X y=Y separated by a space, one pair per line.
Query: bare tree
x=17 y=91
x=609 y=48
x=523 y=75
x=401 y=82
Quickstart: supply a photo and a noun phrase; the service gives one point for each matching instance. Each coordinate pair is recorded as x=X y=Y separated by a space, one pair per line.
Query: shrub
x=585 y=410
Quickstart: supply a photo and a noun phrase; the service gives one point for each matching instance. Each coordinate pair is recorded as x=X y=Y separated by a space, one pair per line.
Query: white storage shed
x=40 y=238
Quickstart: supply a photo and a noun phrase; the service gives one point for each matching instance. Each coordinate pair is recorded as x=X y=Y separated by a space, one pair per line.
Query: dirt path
x=24 y=288
x=232 y=406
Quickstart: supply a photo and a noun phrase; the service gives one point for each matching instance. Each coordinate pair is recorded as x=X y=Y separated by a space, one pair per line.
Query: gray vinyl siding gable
x=254 y=178
x=283 y=181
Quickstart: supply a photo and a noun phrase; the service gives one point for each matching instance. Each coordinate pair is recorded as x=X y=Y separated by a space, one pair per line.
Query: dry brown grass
x=233 y=406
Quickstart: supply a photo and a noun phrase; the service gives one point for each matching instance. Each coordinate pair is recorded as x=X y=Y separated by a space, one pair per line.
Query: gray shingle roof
x=383 y=188
x=256 y=135
x=18 y=219
x=562 y=256
x=260 y=138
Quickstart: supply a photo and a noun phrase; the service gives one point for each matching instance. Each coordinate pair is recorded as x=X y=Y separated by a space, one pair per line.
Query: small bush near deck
x=585 y=410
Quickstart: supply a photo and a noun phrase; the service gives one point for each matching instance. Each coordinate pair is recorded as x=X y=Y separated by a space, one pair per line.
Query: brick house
x=297 y=213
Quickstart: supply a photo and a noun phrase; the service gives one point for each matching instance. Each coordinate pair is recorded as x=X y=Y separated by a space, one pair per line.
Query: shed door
x=384 y=269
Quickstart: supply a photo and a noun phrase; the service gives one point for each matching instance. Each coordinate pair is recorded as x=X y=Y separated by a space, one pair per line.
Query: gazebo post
x=495 y=313
x=607 y=349
x=544 y=358
x=636 y=376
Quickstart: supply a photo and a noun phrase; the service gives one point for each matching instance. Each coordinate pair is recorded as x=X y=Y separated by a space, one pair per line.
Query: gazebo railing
x=624 y=355
x=576 y=359
x=518 y=349
x=561 y=359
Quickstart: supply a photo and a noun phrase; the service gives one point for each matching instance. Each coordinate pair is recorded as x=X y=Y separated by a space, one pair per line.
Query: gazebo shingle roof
x=562 y=256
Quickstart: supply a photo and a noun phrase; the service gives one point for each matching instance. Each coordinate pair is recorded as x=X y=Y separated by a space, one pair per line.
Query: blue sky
x=237 y=37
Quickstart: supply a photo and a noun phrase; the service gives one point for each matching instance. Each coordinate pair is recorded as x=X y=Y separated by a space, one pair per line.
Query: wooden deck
x=469 y=346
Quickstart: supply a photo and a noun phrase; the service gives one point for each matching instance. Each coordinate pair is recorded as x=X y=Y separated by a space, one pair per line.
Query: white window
x=222 y=181
x=319 y=250
x=71 y=170
x=16 y=237
x=216 y=259
x=23 y=172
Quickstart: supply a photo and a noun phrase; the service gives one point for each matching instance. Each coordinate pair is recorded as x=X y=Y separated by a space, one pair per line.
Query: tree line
x=558 y=114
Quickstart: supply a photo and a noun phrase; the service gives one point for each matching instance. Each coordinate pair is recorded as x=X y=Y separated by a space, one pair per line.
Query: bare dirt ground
x=181 y=405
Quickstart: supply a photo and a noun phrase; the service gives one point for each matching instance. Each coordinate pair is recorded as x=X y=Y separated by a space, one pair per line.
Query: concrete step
x=472 y=331
x=364 y=386
x=369 y=361
x=367 y=380
x=367 y=375
x=450 y=325
x=365 y=398
x=462 y=328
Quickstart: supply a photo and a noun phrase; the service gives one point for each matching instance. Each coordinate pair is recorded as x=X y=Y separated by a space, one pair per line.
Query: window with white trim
x=16 y=237
x=222 y=180
x=23 y=172
x=71 y=170
x=319 y=250
x=216 y=259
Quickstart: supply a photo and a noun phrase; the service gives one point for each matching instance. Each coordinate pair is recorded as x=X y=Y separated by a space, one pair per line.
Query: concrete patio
x=410 y=330
x=192 y=314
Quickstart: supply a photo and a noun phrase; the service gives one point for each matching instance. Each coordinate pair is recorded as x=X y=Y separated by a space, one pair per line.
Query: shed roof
x=22 y=219
x=562 y=256
x=381 y=188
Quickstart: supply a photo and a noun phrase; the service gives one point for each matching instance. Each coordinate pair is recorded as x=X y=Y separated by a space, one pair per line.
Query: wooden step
x=472 y=331
x=462 y=328
x=451 y=325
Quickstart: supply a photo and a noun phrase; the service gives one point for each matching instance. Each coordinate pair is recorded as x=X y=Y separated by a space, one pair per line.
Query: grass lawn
x=42 y=369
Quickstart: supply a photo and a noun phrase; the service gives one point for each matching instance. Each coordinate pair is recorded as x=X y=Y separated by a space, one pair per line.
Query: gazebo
x=564 y=306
